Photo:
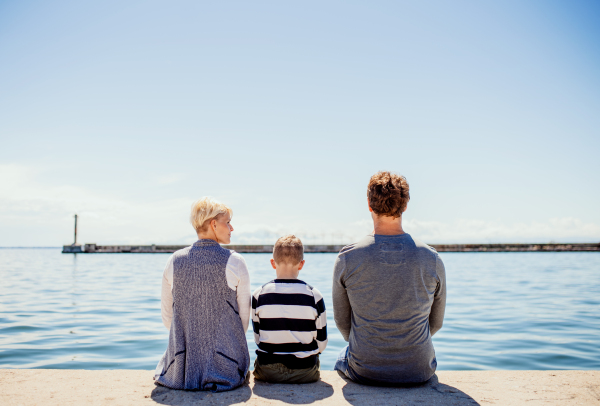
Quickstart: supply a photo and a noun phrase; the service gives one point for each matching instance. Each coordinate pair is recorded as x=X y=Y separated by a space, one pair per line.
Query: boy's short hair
x=388 y=194
x=288 y=250
x=204 y=210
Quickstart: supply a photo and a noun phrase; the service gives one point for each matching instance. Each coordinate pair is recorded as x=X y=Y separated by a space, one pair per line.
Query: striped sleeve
x=255 y=319
x=321 y=322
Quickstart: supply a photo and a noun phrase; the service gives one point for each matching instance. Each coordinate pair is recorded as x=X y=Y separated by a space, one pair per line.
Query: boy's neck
x=286 y=275
x=287 y=271
x=284 y=270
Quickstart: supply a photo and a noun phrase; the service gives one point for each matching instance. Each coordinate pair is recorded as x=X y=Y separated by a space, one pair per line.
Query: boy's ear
x=301 y=264
x=273 y=263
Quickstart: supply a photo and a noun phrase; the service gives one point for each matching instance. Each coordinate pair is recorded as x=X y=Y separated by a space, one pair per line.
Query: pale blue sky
x=126 y=112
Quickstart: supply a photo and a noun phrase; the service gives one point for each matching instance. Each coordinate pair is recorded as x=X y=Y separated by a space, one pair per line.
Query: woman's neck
x=207 y=236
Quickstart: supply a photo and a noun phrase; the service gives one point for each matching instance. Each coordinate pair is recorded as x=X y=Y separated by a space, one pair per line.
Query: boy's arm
x=255 y=319
x=166 y=295
x=342 y=311
x=438 y=308
x=321 y=320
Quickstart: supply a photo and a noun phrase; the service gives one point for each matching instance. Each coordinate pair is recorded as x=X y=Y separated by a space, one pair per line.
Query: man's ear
x=369 y=206
x=273 y=263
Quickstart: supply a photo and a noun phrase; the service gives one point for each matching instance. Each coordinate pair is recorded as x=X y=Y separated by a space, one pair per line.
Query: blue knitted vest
x=207 y=344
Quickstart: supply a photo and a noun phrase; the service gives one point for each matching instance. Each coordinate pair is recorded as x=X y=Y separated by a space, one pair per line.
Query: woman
x=206 y=305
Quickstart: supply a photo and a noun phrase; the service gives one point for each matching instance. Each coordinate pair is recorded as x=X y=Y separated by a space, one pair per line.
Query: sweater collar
x=205 y=242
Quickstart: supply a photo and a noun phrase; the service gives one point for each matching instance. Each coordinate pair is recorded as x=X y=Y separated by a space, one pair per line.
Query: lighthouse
x=73 y=248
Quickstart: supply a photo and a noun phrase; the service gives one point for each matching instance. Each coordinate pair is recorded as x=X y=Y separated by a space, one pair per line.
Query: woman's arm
x=166 y=296
x=238 y=279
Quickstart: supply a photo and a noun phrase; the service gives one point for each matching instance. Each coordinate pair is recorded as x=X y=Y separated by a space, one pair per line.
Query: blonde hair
x=288 y=249
x=206 y=209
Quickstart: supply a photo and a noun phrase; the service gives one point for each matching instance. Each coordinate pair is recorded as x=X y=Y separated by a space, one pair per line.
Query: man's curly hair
x=388 y=194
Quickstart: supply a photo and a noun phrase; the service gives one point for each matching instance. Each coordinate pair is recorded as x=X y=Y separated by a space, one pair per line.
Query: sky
x=127 y=112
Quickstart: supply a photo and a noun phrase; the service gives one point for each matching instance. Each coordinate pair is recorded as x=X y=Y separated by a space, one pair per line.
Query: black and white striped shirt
x=289 y=319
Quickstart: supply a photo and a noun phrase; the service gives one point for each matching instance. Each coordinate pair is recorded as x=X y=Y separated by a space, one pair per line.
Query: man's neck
x=386 y=225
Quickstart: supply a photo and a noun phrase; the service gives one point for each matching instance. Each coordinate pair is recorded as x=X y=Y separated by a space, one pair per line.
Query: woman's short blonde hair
x=206 y=209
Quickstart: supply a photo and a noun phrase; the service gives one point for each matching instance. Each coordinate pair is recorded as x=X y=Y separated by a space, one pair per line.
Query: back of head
x=288 y=250
x=204 y=210
x=388 y=194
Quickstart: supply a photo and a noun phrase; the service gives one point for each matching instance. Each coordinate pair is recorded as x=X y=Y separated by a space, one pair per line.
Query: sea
x=505 y=311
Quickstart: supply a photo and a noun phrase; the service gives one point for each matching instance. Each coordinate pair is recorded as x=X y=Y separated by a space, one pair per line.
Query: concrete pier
x=157 y=249
x=130 y=387
x=91 y=248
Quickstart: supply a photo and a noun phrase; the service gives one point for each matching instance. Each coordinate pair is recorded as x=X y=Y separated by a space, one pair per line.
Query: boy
x=289 y=320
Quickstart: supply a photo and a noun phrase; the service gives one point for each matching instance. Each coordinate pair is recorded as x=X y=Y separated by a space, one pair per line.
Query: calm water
x=504 y=311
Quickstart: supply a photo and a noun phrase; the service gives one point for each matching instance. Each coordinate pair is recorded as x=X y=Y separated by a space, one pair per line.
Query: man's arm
x=342 y=312
x=438 y=308
x=166 y=296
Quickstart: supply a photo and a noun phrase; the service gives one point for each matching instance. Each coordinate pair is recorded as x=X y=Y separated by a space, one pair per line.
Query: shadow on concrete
x=296 y=394
x=431 y=392
x=166 y=396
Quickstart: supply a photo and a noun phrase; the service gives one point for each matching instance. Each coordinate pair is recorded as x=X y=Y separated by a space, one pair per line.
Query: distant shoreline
x=28 y=248
x=334 y=248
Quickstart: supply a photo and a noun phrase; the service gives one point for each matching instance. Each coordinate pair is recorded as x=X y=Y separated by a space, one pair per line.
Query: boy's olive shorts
x=279 y=373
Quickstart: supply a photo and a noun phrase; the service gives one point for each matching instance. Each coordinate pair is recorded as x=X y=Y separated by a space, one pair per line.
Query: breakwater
x=315 y=248
x=161 y=249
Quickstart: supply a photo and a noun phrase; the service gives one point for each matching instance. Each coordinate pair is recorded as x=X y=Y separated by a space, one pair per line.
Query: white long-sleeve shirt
x=238 y=280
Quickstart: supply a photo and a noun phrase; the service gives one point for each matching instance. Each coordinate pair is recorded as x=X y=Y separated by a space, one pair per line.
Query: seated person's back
x=205 y=304
x=388 y=295
x=390 y=282
x=289 y=320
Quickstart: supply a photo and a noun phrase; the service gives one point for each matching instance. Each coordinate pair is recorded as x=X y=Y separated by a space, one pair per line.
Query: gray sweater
x=389 y=297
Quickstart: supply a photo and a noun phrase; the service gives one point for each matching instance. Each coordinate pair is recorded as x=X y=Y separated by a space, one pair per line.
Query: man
x=389 y=295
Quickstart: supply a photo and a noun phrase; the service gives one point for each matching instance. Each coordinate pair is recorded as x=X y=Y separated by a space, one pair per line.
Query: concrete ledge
x=129 y=387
